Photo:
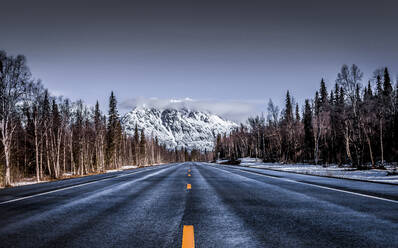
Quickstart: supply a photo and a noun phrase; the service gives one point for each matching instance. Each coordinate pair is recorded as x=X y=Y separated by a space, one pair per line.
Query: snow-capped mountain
x=178 y=128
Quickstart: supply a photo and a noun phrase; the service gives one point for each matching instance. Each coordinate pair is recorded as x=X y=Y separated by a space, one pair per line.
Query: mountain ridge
x=191 y=129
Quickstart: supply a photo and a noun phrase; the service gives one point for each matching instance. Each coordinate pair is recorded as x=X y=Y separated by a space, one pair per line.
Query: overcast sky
x=220 y=54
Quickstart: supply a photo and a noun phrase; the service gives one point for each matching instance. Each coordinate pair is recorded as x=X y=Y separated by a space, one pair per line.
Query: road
x=226 y=206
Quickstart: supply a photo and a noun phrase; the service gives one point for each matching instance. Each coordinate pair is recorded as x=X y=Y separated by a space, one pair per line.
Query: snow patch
x=375 y=175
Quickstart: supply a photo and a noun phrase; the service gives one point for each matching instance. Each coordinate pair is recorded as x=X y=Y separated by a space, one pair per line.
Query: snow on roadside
x=375 y=175
x=127 y=167
x=32 y=180
x=26 y=181
x=220 y=161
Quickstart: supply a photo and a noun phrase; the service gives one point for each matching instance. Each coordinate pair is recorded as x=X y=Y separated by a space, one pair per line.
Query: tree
x=55 y=138
x=218 y=147
x=349 y=80
x=112 y=132
x=387 y=87
x=308 y=131
x=14 y=78
x=143 y=148
x=100 y=131
x=297 y=112
x=323 y=94
x=288 y=117
x=136 y=140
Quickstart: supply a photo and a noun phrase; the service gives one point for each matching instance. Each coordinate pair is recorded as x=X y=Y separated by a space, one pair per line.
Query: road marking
x=188 y=240
x=75 y=186
x=323 y=187
x=189 y=186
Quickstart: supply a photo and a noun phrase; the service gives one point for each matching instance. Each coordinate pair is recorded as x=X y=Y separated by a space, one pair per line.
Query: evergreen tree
x=288 y=108
x=56 y=118
x=387 y=87
x=368 y=93
x=308 y=131
x=317 y=104
x=97 y=117
x=112 y=132
x=46 y=108
x=297 y=112
x=323 y=94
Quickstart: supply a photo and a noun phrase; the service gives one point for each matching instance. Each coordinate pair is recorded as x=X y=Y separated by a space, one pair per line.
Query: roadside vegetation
x=44 y=137
x=351 y=124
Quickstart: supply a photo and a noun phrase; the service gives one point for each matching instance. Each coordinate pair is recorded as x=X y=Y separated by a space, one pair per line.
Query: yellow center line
x=188 y=240
x=189 y=186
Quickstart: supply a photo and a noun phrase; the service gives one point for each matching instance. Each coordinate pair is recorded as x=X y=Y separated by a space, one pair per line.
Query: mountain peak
x=191 y=129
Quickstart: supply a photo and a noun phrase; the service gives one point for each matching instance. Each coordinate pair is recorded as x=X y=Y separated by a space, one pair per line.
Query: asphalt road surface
x=226 y=206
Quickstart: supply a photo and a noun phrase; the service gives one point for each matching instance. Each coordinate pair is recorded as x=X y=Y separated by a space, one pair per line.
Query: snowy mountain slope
x=178 y=128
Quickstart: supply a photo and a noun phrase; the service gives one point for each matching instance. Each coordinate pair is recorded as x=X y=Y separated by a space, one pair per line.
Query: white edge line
x=71 y=187
x=323 y=187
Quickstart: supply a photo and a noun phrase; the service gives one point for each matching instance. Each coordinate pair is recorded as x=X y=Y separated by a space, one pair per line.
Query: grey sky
x=226 y=52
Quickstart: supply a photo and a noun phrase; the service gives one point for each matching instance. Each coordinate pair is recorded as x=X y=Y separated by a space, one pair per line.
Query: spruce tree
x=97 y=117
x=323 y=94
x=387 y=87
x=368 y=95
x=308 y=131
x=56 y=118
x=317 y=103
x=288 y=108
x=297 y=112
x=111 y=134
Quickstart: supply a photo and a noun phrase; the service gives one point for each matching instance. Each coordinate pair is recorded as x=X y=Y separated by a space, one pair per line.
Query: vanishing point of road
x=203 y=205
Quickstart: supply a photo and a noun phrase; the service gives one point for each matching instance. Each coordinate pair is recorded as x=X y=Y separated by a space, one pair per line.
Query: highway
x=200 y=204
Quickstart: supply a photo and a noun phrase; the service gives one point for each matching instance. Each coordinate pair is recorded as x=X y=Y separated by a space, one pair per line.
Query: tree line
x=47 y=137
x=350 y=124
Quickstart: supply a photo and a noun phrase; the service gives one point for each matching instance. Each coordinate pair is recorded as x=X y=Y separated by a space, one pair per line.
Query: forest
x=352 y=124
x=48 y=137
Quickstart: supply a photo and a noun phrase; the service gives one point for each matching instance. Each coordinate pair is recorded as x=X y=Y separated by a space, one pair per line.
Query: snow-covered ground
x=375 y=175
x=32 y=180
x=25 y=181
x=126 y=167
